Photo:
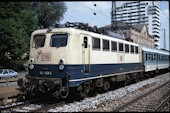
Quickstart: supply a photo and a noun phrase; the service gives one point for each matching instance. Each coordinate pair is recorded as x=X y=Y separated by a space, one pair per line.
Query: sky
x=99 y=13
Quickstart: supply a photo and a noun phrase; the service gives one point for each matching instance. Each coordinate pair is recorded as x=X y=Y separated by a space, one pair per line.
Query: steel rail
x=139 y=97
x=46 y=108
x=162 y=104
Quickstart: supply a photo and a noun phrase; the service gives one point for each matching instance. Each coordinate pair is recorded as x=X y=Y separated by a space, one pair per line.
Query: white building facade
x=140 y=12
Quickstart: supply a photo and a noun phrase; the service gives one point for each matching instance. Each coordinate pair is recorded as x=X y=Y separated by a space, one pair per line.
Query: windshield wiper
x=61 y=43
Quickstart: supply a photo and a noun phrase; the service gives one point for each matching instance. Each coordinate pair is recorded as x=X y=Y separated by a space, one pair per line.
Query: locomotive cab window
x=38 y=41
x=96 y=43
x=59 y=40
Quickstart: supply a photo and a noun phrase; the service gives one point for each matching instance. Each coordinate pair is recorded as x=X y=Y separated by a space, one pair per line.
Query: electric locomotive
x=78 y=56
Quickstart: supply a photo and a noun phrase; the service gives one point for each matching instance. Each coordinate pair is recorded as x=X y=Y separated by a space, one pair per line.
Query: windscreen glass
x=59 y=40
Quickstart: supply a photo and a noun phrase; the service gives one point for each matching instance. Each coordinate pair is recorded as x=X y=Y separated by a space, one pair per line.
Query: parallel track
x=9 y=108
x=47 y=107
x=162 y=105
x=148 y=106
x=44 y=107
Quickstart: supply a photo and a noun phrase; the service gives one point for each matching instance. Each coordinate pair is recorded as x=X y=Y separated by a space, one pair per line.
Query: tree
x=16 y=24
x=47 y=13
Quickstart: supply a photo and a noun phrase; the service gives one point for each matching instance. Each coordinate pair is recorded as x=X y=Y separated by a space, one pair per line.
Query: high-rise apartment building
x=139 y=12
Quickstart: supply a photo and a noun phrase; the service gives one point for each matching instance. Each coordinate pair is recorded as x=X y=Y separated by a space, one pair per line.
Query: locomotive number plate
x=45 y=73
x=45 y=56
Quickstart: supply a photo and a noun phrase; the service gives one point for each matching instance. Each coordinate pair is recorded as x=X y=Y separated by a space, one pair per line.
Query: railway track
x=45 y=108
x=146 y=101
x=32 y=106
x=9 y=108
x=164 y=105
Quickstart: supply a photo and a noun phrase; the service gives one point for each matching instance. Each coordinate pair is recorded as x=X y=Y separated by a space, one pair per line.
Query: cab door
x=85 y=39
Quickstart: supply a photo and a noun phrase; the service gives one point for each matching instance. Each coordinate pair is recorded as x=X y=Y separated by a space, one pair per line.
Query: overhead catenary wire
x=86 y=17
x=95 y=11
x=101 y=11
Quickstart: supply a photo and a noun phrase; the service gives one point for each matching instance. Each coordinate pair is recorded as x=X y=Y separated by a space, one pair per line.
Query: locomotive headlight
x=31 y=66
x=61 y=67
x=61 y=64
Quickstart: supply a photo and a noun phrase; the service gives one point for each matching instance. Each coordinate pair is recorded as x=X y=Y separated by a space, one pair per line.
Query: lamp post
x=164 y=39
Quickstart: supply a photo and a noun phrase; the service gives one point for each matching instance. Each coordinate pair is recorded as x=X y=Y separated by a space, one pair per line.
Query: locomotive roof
x=78 y=31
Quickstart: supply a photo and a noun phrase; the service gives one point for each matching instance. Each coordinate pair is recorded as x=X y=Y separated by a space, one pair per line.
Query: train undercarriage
x=59 y=88
x=55 y=87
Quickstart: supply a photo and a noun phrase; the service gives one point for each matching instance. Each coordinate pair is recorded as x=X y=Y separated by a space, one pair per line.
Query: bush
x=17 y=65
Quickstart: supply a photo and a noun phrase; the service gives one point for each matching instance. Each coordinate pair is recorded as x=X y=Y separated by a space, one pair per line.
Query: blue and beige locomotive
x=77 y=56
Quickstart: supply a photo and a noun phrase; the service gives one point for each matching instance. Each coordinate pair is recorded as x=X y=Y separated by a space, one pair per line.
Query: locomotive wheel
x=86 y=88
x=128 y=80
x=106 y=86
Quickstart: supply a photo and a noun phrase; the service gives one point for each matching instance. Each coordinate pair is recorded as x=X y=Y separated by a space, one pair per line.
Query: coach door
x=85 y=53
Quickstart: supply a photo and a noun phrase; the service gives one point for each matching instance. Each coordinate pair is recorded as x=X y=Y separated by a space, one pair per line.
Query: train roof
x=75 y=30
x=155 y=50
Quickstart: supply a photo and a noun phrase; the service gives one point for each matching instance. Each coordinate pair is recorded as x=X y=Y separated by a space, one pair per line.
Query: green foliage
x=47 y=13
x=17 y=21
x=16 y=64
x=16 y=24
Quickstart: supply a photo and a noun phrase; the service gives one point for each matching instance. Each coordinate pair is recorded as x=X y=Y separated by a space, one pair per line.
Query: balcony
x=156 y=39
x=155 y=33
x=156 y=44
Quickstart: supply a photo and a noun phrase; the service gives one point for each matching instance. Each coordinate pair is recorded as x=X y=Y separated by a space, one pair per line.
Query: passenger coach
x=155 y=59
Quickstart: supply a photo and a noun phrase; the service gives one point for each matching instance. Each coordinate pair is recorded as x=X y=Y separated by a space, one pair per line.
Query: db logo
x=45 y=56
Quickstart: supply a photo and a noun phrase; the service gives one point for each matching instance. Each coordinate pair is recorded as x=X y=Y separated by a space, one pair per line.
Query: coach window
x=58 y=40
x=106 y=45
x=132 y=48
x=159 y=57
x=146 y=56
x=167 y=58
x=149 y=57
x=154 y=58
x=136 y=50
x=114 y=46
x=126 y=48
x=96 y=43
x=162 y=57
x=38 y=41
x=120 y=46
